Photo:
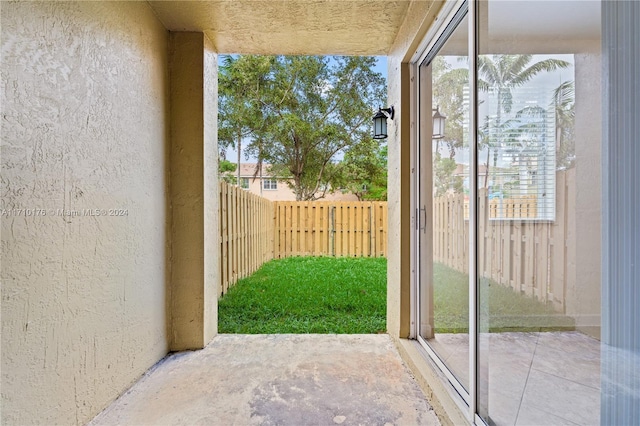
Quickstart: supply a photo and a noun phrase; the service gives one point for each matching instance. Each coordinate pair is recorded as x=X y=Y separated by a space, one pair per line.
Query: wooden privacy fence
x=524 y=207
x=527 y=255
x=246 y=234
x=355 y=229
x=254 y=230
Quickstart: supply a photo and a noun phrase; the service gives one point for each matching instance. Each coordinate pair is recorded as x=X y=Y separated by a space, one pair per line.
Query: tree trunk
x=239 y=156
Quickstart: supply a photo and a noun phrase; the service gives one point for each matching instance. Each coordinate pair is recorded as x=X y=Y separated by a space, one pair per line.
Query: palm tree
x=564 y=104
x=500 y=74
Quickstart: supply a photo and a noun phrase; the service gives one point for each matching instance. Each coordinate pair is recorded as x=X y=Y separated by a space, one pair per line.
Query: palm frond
x=565 y=94
x=488 y=69
x=515 y=65
x=544 y=65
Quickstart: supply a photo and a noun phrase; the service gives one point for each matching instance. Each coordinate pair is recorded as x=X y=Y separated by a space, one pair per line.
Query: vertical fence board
x=224 y=240
x=331 y=226
x=336 y=221
x=366 y=230
x=345 y=229
x=558 y=251
x=316 y=230
x=528 y=240
x=517 y=255
x=542 y=263
x=506 y=276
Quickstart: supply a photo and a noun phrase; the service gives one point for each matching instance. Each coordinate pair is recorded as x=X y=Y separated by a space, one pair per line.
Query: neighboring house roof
x=249 y=170
x=282 y=192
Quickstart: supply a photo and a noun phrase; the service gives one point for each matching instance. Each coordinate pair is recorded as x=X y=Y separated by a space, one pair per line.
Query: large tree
x=449 y=82
x=239 y=114
x=300 y=114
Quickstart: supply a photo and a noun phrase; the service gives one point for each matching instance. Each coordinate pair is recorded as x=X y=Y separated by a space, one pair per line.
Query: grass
x=501 y=308
x=347 y=295
x=308 y=295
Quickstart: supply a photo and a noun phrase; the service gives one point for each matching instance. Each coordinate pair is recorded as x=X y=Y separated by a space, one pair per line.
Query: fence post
x=332 y=230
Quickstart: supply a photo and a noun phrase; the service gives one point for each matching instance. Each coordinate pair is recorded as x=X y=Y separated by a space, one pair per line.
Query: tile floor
x=545 y=378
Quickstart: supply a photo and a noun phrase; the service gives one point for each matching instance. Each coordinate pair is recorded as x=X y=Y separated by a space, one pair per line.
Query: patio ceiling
x=318 y=27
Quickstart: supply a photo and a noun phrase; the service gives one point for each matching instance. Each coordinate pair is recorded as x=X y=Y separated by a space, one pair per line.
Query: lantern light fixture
x=380 y=122
x=438 y=123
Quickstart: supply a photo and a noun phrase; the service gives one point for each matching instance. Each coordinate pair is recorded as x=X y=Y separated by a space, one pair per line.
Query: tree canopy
x=307 y=116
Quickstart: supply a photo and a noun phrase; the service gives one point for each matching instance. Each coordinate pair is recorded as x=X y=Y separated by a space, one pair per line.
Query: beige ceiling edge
x=420 y=17
x=294 y=27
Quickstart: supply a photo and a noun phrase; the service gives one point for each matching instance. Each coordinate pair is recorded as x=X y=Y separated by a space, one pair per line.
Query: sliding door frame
x=452 y=13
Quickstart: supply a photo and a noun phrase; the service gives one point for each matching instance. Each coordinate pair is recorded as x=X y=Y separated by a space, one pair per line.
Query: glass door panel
x=539 y=208
x=443 y=205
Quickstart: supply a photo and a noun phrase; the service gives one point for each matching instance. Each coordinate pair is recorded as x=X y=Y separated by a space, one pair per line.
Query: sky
x=381 y=67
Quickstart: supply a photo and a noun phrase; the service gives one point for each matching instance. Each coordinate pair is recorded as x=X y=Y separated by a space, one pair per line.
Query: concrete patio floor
x=277 y=379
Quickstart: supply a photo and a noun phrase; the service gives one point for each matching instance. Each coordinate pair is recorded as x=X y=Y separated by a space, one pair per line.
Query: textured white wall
x=194 y=191
x=397 y=190
x=84 y=126
x=584 y=296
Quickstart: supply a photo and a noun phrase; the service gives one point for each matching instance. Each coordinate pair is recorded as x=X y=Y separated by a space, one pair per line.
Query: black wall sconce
x=438 y=123
x=380 y=122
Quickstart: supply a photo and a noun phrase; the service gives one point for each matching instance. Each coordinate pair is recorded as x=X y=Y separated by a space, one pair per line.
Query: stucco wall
x=583 y=295
x=84 y=107
x=194 y=191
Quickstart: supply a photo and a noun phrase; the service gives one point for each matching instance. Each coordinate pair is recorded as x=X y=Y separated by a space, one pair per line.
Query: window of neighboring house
x=244 y=183
x=269 y=184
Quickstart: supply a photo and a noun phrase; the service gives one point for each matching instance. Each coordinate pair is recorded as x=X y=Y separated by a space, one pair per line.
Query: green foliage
x=363 y=172
x=226 y=169
x=308 y=295
x=299 y=113
x=444 y=176
x=239 y=85
x=226 y=166
x=448 y=96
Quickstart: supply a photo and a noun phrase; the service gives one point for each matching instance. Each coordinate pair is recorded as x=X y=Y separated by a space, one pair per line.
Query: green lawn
x=308 y=295
x=347 y=295
x=502 y=309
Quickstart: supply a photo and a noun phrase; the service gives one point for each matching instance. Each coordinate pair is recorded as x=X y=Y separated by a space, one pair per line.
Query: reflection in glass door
x=539 y=212
x=443 y=204
x=518 y=241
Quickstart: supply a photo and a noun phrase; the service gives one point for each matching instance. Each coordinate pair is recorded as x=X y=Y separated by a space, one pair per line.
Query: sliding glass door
x=539 y=211
x=444 y=197
x=508 y=206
